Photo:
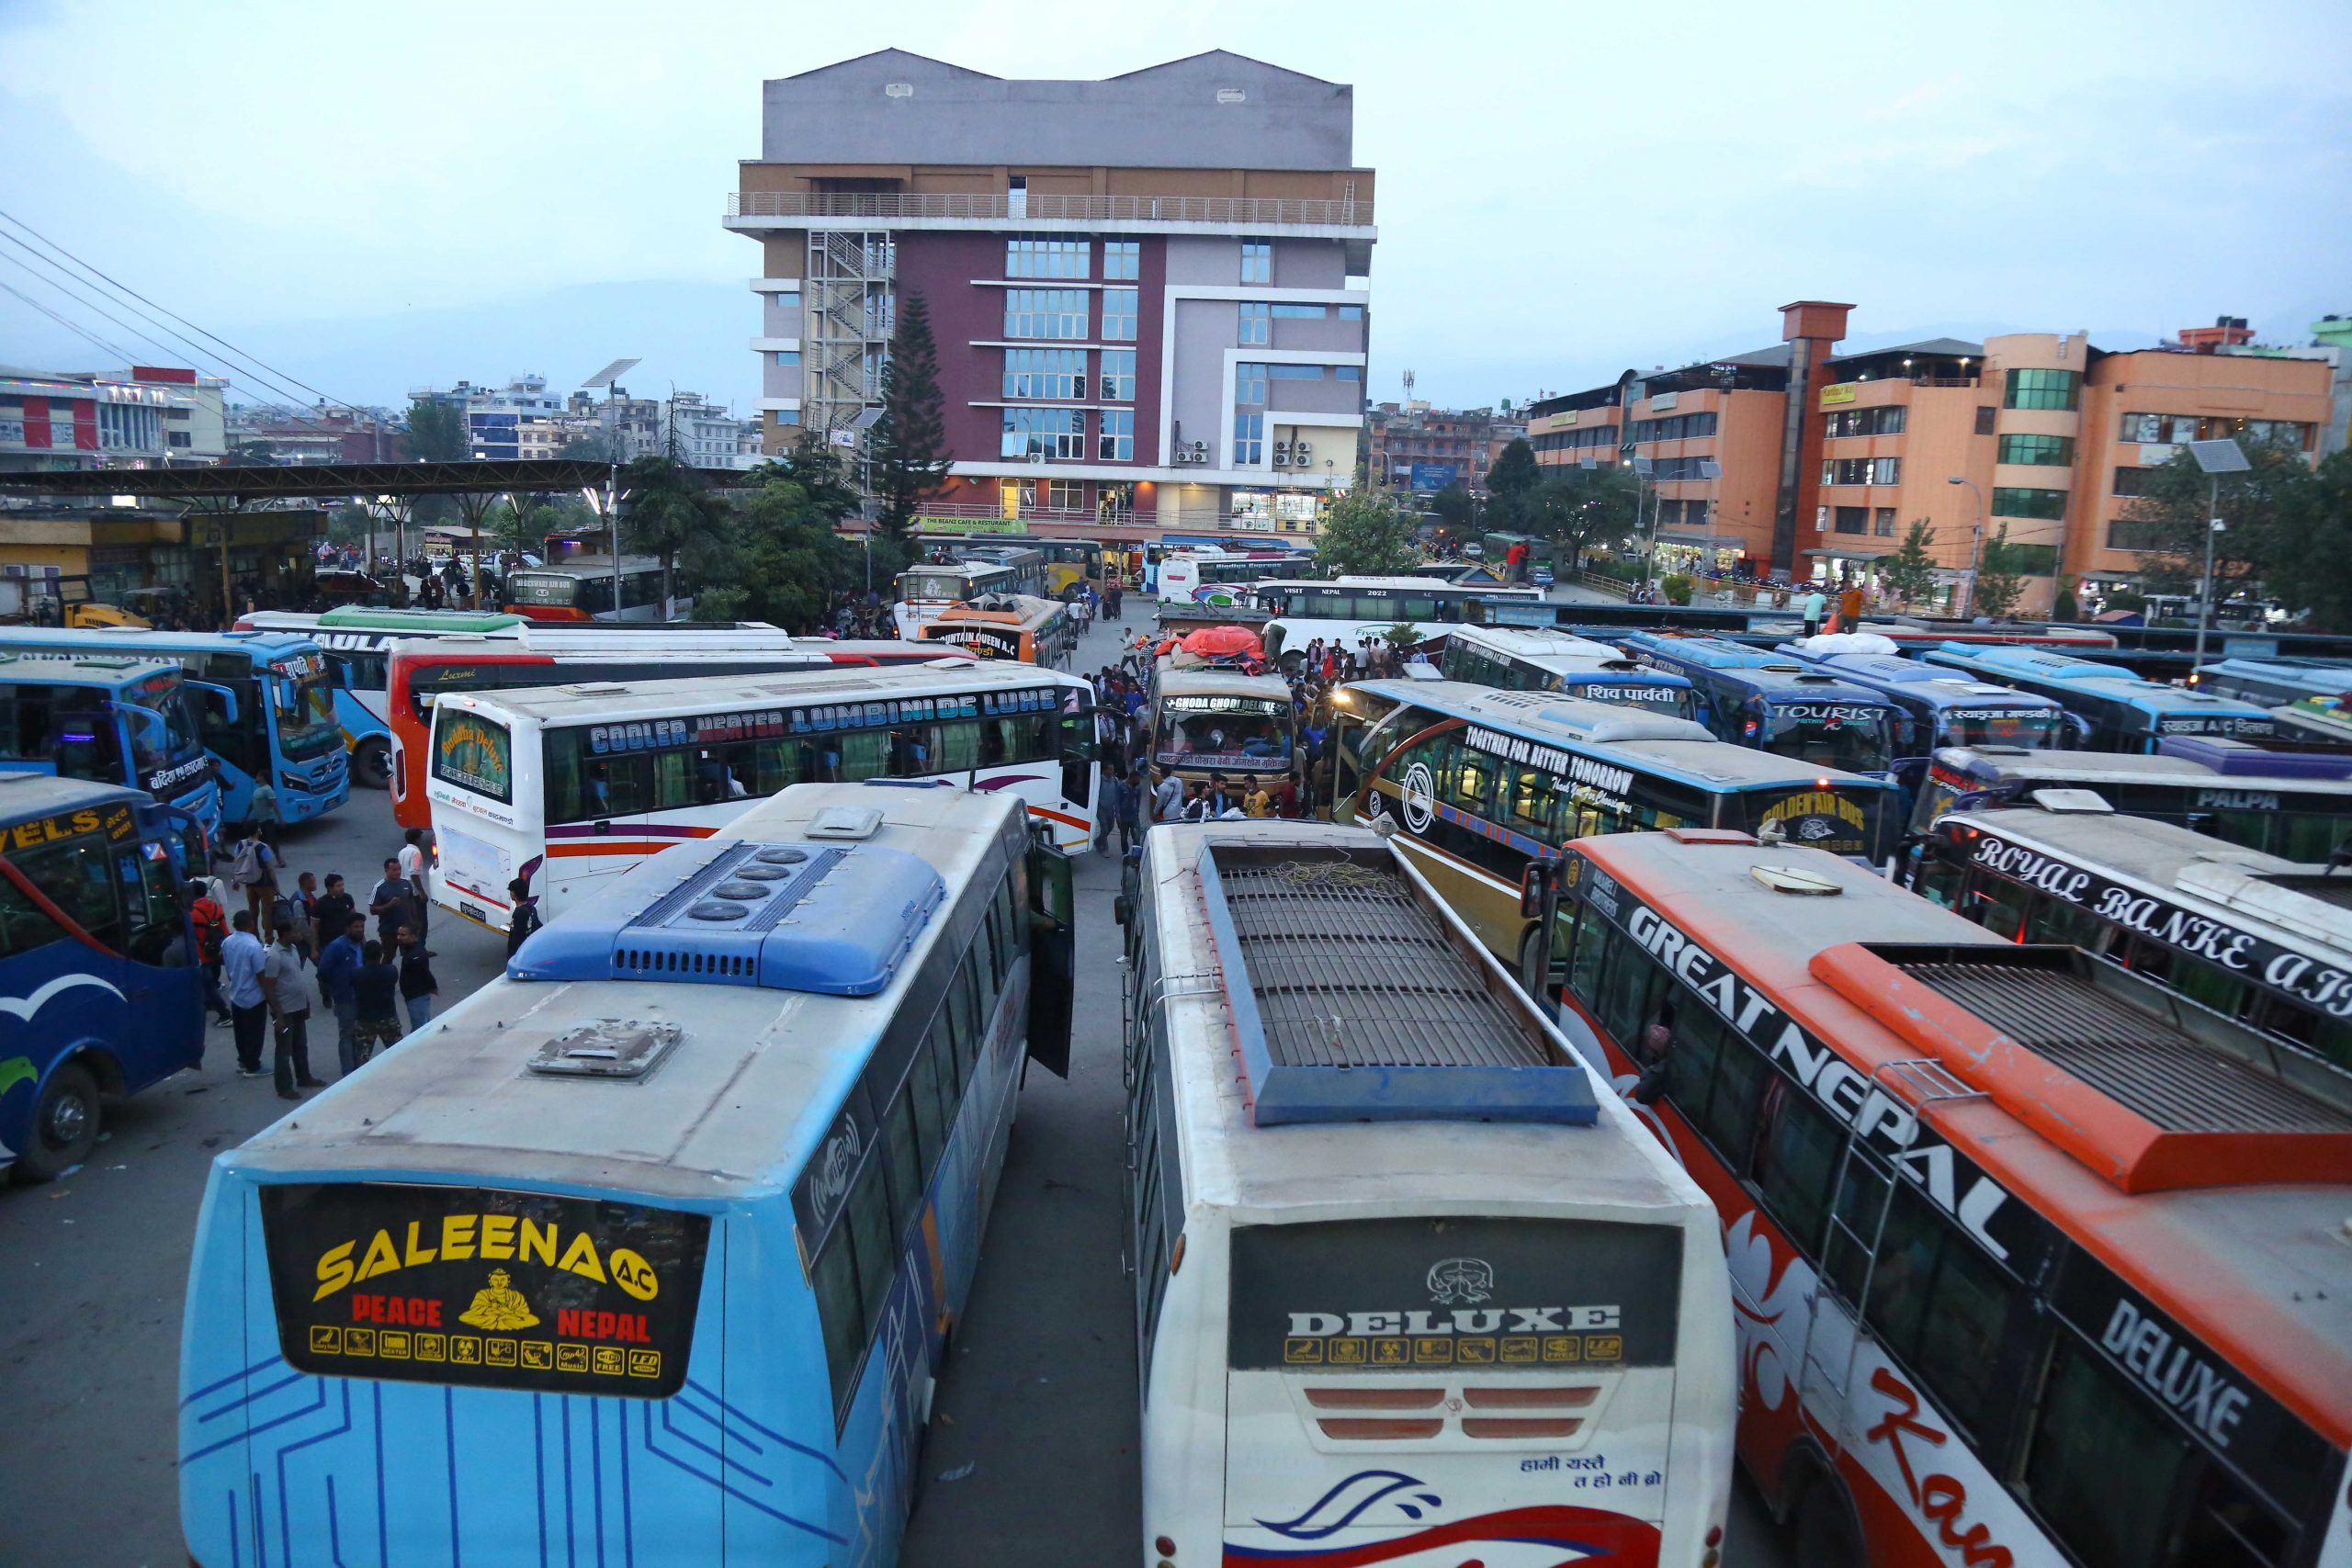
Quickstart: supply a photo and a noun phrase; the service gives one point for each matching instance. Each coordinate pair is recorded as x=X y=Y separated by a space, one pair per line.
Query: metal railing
x=882 y=206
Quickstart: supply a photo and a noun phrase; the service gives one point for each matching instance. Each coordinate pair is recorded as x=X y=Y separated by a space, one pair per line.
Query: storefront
x=1279 y=510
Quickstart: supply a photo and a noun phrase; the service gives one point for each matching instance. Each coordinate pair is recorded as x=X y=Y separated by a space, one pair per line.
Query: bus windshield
x=2032 y=728
x=303 y=695
x=155 y=712
x=553 y=588
x=1217 y=725
x=1827 y=735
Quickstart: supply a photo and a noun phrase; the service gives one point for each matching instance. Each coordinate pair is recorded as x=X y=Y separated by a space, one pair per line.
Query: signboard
x=1663 y=401
x=474 y=753
x=1838 y=393
x=1563 y=420
x=488 y=1288
x=1434 y=476
x=971 y=525
x=113 y=821
x=816 y=718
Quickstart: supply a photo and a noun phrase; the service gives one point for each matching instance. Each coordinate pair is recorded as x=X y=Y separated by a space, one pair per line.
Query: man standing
x=338 y=963
x=242 y=960
x=419 y=989
x=412 y=858
x=1815 y=606
x=1167 y=798
x=526 y=918
x=1255 y=801
x=390 y=903
x=329 y=914
x=289 y=1006
x=1131 y=794
x=212 y=923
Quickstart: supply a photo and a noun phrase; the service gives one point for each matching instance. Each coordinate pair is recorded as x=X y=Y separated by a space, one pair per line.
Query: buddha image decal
x=499 y=1306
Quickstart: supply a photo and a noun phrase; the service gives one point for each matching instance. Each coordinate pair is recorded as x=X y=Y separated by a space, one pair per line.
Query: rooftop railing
x=888 y=206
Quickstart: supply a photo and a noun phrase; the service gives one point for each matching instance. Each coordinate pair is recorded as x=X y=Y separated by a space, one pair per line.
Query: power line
x=85 y=301
x=103 y=346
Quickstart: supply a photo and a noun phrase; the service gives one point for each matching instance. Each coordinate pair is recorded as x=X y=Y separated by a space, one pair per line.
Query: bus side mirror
x=1532 y=880
x=2078 y=731
x=220 y=697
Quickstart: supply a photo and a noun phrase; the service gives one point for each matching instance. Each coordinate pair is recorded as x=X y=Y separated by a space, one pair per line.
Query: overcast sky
x=379 y=197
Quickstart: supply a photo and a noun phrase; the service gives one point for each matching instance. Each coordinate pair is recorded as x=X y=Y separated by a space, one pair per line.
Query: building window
x=1122 y=259
x=2043 y=389
x=1043 y=255
x=1249 y=383
x=1301 y=312
x=1055 y=433
x=1351 y=313
x=1046 y=312
x=1884 y=523
x=1118 y=442
x=1257 y=322
x=1044 y=373
x=1295 y=372
x=785 y=417
x=1853 y=519
x=790 y=358
x=1118 y=380
x=1348 y=372
x=1675 y=426
x=1887 y=421
x=1065 y=495
x=1857 y=470
x=2122 y=535
x=1257 y=260
x=1119 y=315
x=1985 y=414
x=2048 y=451
x=2135 y=481
x=182 y=438
x=2009 y=500
x=2159 y=429
x=1248 y=439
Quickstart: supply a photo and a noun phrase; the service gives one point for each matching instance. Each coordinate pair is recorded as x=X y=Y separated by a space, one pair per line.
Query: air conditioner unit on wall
x=1301 y=451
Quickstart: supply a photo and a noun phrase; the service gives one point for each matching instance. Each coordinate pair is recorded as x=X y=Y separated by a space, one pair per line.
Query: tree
x=2268 y=511
x=909 y=440
x=1455 y=509
x=1999 y=582
x=672 y=511
x=253 y=452
x=782 y=562
x=437 y=432
x=1364 y=534
x=1579 y=510
x=2323 y=584
x=1910 y=571
x=815 y=465
x=1515 y=473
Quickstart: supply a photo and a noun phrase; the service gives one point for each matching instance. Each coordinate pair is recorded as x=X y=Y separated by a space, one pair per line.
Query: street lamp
x=1642 y=468
x=1975 y=547
x=608 y=379
x=2216 y=458
x=1713 y=473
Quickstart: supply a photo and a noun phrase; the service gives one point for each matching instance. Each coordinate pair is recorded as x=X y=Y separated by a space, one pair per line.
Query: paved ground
x=1037 y=1418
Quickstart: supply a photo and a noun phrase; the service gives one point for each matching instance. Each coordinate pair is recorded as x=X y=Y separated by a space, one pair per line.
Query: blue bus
x=109 y=718
x=2119 y=712
x=1756 y=697
x=265 y=705
x=1935 y=708
x=649 y=1251
x=1513 y=659
x=2276 y=682
x=100 y=992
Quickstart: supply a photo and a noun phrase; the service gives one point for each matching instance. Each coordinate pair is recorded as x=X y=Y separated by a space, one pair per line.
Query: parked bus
x=2007 y=1291
x=1935 y=708
x=694 y=1199
x=2222 y=789
x=1205 y=574
x=2322 y=719
x=265 y=705
x=1477 y=782
x=1021 y=626
x=1511 y=658
x=1405 y=1271
x=109 y=718
x=580 y=588
x=1777 y=704
x=1211 y=720
x=420 y=671
x=569 y=787
x=2275 y=682
x=103 y=994
x=1071 y=566
x=2121 y=711
x=924 y=591
x=1345 y=610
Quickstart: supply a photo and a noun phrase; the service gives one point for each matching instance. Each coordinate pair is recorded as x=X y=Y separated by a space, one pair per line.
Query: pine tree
x=909 y=439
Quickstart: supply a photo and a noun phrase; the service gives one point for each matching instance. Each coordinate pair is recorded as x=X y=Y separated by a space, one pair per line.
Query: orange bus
x=1025 y=626
x=2032 y=1264
x=420 y=671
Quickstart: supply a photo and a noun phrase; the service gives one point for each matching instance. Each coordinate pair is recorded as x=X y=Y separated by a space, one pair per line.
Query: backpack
x=212 y=929
x=286 y=910
x=244 y=868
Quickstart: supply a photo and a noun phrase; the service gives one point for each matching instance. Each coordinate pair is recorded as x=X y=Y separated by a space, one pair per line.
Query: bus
x=1021 y=626
x=420 y=671
x=925 y=591
x=1344 y=610
x=104 y=996
x=2264 y=941
x=581 y=589
x=1513 y=659
x=2222 y=789
x=2119 y=712
x=1073 y=566
x=2275 y=682
x=2026 y=1259
x=1477 y=782
x=1205 y=574
x=2321 y=719
x=265 y=705
x=1935 y=708
x=1777 y=704
x=651 y=1249
x=569 y=787
x=1409 y=1279
x=1210 y=720
x=109 y=718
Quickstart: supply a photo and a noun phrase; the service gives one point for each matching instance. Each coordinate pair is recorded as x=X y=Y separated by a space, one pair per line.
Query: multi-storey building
x=1144 y=291
x=296 y=436
x=1799 y=460
x=63 y=420
x=1413 y=446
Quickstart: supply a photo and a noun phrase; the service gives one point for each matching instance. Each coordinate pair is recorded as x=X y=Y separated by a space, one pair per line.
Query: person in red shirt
x=212 y=923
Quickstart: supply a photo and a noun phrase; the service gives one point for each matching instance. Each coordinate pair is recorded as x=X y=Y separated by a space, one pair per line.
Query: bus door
x=1079 y=754
x=1053 y=954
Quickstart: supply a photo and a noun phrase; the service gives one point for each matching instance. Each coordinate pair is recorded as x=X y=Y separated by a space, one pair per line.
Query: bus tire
x=65 y=1125
x=371 y=764
x=1827 y=1534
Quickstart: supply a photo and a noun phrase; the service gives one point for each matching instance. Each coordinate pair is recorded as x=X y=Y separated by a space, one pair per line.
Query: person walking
x=253 y=866
x=338 y=963
x=1850 y=607
x=374 y=985
x=413 y=862
x=303 y=906
x=1255 y=801
x=1113 y=595
x=419 y=990
x=290 y=1009
x=242 y=960
x=1167 y=798
x=1815 y=606
x=525 y=917
x=1131 y=795
x=212 y=923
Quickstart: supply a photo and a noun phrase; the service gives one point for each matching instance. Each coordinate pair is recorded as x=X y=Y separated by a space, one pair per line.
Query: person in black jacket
x=526 y=919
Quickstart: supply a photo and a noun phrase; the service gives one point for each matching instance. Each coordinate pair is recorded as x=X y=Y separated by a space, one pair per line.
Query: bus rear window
x=491 y=1289
x=1845 y=735
x=474 y=753
x=1820 y=818
x=1432 y=1295
x=2028 y=728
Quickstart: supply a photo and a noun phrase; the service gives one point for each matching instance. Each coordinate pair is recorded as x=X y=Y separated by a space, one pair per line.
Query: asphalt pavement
x=1032 y=1453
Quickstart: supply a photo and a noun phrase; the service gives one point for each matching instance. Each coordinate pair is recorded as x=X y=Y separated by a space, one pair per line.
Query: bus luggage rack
x=1353 y=1002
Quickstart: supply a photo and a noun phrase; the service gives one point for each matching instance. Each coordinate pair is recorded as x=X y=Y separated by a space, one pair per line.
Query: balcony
x=758 y=209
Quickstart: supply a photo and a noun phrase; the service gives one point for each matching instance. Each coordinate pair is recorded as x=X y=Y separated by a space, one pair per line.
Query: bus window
x=834 y=1279
x=151 y=900
x=1999 y=907
x=673 y=783
x=864 y=757
x=764 y=767
x=1690 y=1060
x=1472 y=784
x=23 y=925
x=1730 y=1121
x=1591 y=945
x=955 y=747
x=1942 y=1307
x=902 y=1153
x=79 y=881
x=1533 y=804
x=1630 y=994
x=2102 y=1466
x=1796 y=1162
x=930 y=1102
x=867 y=1219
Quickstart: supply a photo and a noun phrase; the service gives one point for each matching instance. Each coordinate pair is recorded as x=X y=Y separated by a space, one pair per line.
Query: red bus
x=2032 y=1263
x=420 y=672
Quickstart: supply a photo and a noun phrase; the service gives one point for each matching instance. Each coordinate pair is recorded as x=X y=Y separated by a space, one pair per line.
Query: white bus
x=1345 y=610
x=1206 y=721
x=1412 y=1285
x=926 y=589
x=581 y=589
x=1534 y=659
x=570 y=786
x=1210 y=575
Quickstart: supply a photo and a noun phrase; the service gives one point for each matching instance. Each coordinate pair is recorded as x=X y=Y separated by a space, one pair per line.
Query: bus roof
x=1233 y=1161
x=2047 y=1111
x=1936 y=686
x=1003 y=610
x=1213 y=681
x=606 y=702
x=27 y=795
x=1549 y=649
x=1773 y=672
x=1410 y=585
x=2313 y=677
x=82 y=669
x=759 y=1070
x=589 y=566
x=2111 y=681
x=351 y=617
x=263 y=645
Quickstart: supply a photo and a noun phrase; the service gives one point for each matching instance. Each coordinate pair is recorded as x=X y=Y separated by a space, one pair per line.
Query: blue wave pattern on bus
x=297 y=1462
x=1346 y=1503
x=1594 y=1535
x=69 y=1019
